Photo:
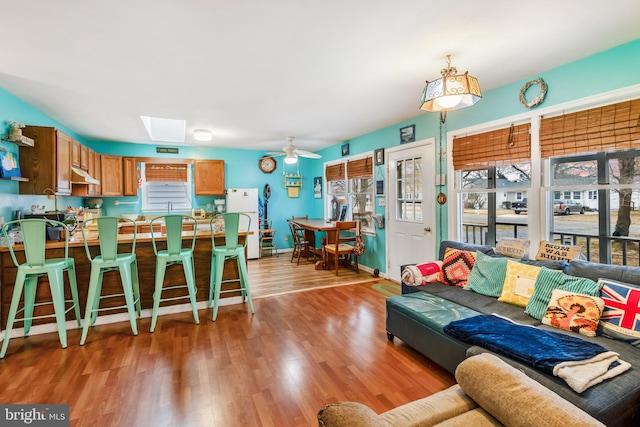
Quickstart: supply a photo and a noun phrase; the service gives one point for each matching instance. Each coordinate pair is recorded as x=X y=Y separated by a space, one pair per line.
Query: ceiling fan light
x=291 y=159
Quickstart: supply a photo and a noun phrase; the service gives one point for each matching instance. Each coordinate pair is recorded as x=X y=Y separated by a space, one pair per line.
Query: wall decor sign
x=407 y=134
x=378 y=156
x=345 y=149
x=169 y=150
x=317 y=187
x=379 y=188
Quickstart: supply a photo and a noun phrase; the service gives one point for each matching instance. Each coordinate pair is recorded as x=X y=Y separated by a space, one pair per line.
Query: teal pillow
x=548 y=280
x=487 y=275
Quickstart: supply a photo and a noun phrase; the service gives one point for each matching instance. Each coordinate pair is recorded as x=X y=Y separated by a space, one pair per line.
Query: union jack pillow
x=621 y=314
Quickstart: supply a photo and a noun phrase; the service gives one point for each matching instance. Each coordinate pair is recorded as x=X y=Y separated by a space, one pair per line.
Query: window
x=409 y=185
x=166 y=187
x=494 y=171
x=351 y=184
x=593 y=195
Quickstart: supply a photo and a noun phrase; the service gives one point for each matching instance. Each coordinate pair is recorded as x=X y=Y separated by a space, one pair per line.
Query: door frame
x=429 y=174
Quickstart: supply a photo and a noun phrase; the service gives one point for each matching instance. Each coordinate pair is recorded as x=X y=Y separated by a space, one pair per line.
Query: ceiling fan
x=292 y=152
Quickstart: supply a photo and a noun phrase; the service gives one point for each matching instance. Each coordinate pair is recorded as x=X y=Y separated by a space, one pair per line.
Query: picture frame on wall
x=345 y=149
x=379 y=188
x=317 y=187
x=407 y=134
x=378 y=156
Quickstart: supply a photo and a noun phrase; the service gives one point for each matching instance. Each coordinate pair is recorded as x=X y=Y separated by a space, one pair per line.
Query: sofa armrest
x=349 y=414
x=513 y=398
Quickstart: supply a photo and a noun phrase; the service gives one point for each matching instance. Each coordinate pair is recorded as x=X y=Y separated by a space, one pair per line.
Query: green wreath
x=538 y=99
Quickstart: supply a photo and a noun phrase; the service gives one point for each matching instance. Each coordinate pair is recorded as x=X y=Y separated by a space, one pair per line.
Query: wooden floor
x=300 y=351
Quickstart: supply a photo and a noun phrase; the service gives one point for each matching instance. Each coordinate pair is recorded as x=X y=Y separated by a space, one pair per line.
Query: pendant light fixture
x=450 y=92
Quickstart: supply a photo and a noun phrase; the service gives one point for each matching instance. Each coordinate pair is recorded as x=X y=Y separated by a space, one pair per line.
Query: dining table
x=312 y=227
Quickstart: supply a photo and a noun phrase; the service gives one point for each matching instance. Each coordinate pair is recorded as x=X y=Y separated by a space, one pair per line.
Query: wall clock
x=267 y=164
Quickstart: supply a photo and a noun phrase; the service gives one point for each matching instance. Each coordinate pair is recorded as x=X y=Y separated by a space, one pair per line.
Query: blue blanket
x=535 y=347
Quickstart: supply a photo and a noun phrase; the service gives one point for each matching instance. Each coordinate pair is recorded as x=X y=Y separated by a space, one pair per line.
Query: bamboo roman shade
x=165 y=172
x=612 y=127
x=502 y=146
x=360 y=168
x=334 y=172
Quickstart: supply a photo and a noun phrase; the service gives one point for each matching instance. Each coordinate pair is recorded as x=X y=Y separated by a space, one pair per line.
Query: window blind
x=361 y=168
x=612 y=127
x=165 y=172
x=501 y=146
x=334 y=172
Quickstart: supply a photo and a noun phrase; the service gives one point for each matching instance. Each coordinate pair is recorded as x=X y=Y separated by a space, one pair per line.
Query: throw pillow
x=553 y=251
x=456 y=267
x=513 y=248
x=487 y=275
x=422 y=274
x=620 y=318
x=519 y=281
x=574 y=312
x=547 y=281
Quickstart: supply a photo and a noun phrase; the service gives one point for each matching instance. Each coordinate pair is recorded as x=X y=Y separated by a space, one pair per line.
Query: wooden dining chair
x=339 y=243
x=293 y=217
x=300 y=244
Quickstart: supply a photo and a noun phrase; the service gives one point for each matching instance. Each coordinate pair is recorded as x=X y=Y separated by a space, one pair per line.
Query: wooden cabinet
x=75 y=153
x=130 y=176
x=111 y=175
x=47 y=163
x=95 y=171
x=84 y=158
x=209 y=177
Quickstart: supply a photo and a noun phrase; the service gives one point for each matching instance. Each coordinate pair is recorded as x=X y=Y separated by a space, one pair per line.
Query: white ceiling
x=255 y=71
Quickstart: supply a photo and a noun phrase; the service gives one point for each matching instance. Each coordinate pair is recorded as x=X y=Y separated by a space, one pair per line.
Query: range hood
x=78 y=176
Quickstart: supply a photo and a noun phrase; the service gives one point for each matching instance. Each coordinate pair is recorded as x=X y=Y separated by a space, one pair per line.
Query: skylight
x=164 y=130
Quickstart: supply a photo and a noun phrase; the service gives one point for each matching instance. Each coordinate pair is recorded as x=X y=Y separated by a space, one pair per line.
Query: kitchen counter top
x=111 y=281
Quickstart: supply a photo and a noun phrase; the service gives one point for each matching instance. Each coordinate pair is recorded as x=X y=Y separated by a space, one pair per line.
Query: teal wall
x=606 y=71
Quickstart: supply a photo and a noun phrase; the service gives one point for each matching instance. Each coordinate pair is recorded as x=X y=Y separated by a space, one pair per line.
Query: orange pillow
x=456 y=267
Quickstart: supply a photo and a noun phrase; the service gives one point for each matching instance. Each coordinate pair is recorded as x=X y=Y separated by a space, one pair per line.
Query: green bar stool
x=109 y=260
x=232 y=249
x=37 y=264
x=174 y=254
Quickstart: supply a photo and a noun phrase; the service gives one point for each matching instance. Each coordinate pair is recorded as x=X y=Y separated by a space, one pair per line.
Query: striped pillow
x=548 y=280
x=487 y=275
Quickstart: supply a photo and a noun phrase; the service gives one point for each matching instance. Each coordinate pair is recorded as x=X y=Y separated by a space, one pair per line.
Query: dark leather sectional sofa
x=418 y=316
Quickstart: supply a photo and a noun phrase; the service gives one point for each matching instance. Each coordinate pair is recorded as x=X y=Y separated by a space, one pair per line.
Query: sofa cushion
x=487 y=275
x=519 y=282
x=620 y=315
x=456 y=267
x=470 y=247
x=595 y=271
x=554 y=251
x=547 y=281
x=513 y=248
x=480 y=303
x=502 y=391
x=430 y=310
x=574 y=312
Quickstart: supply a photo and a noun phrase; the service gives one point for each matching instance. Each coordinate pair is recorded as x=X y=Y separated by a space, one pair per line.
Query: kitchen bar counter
x=111 y=282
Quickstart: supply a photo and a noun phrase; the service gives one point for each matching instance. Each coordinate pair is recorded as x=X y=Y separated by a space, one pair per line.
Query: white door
x=411 y=204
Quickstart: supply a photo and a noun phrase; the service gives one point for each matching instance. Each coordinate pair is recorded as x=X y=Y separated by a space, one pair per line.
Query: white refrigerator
x=245 y=200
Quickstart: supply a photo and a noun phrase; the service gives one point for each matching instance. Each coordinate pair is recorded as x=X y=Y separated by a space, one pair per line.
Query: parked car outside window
x=566 y=207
